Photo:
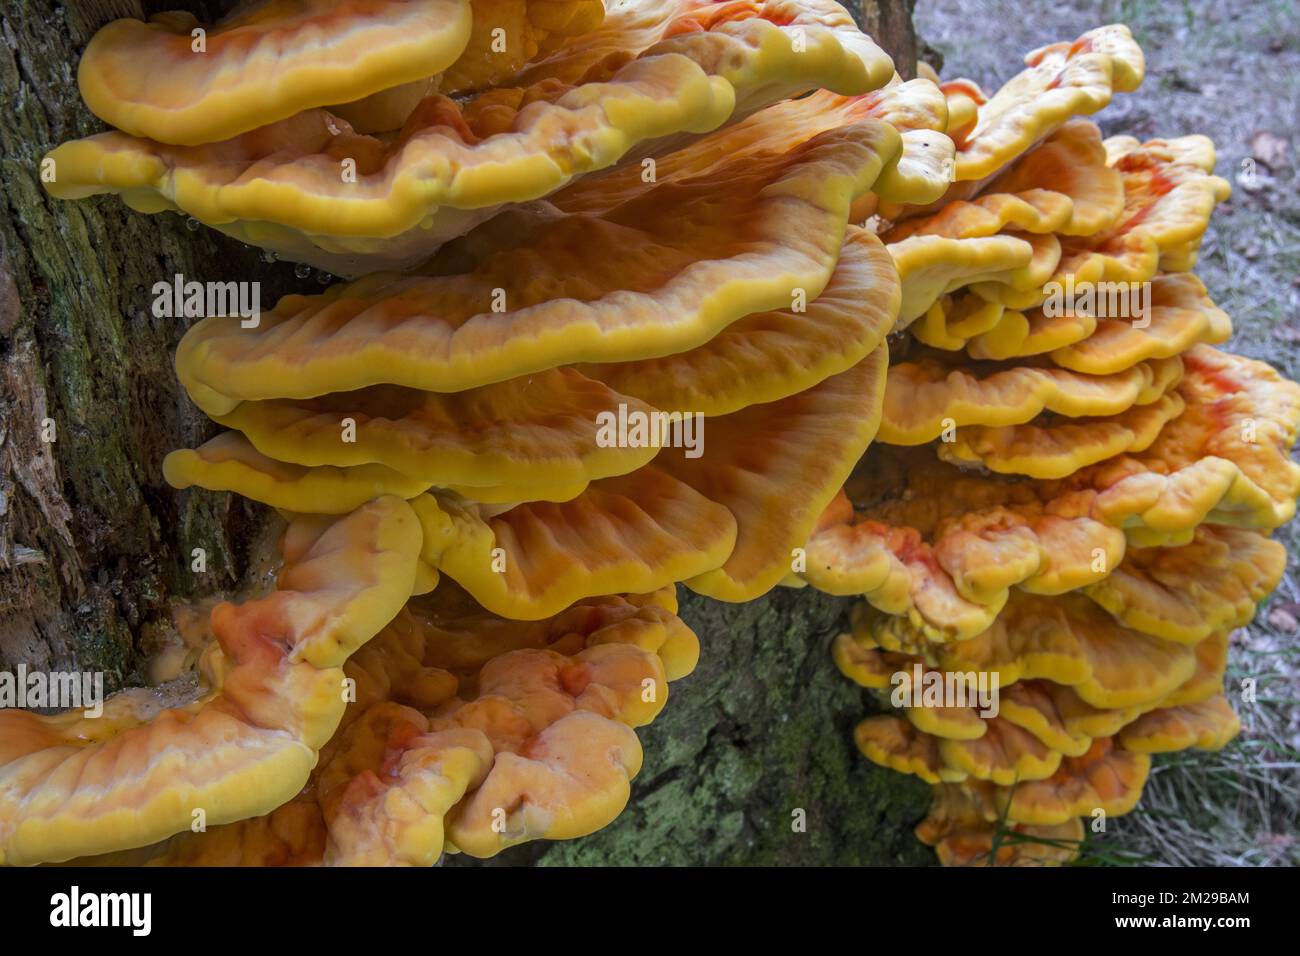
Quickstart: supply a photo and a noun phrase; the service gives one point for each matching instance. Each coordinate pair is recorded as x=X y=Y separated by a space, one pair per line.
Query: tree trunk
x=94 y=546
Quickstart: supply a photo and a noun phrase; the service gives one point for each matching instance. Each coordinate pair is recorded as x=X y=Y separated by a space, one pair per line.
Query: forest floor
x=1229 y=69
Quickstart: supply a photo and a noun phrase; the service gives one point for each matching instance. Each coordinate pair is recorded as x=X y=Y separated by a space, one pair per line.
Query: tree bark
x=94 y=546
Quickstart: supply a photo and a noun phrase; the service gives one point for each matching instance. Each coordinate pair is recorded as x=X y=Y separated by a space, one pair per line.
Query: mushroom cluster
x=1069 y=504
x=578 y=393
x=631 y=293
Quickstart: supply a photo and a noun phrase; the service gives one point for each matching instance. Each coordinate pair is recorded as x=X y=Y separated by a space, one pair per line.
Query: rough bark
x=889 y=23
x=92 y=542
x=94 y=545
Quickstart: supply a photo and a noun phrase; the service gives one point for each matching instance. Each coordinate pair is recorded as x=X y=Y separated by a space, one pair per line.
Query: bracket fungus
x=269 y=696
x=264 y=61
x=312 y=188
x=1168 y=201
x=1077 y=503
x=531 y=289
x=1056 y=448
x=935 y=391
x=471 y=733
x=804 y=308
x=1060 y=81
x=1063 y=186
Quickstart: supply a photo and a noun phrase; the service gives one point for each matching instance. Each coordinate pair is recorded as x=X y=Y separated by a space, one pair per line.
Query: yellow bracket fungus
x=263 y=62
x=694 y=257
x=272 y=694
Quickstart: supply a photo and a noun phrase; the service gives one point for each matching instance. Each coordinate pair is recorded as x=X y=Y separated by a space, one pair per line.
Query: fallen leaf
x=1269 y=149
x=1283 y=620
